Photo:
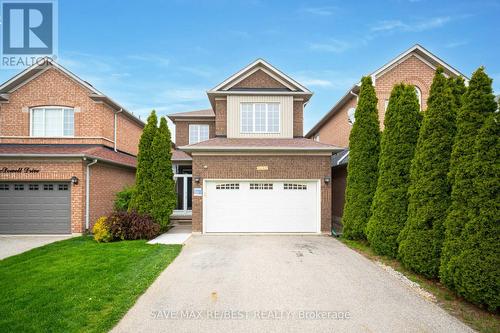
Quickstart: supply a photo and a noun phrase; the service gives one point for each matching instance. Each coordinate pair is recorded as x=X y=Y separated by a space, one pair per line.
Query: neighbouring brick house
x=416 y=66
x=244 y=165
x=65 y=150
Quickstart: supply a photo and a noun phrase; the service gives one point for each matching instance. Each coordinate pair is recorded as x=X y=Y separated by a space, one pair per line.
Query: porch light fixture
x=74 y=180
x=197 y=179
x=327 y=179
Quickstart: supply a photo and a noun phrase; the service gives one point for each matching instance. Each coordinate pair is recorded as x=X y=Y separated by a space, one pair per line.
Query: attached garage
x=262 y=206
x=35 y=208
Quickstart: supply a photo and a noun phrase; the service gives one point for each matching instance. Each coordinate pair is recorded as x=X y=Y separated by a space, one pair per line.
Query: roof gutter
x=254 y=149
x=84 y=156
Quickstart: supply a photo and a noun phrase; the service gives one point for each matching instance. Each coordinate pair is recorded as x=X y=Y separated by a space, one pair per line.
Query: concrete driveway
x=280 y=284
x=12 y=245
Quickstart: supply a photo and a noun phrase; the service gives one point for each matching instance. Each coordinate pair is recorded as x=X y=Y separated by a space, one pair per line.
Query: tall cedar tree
x=144 y=179
x=458 y=88
x=163 y=195
x=362 y=170
x=478 y=264
x=397 y=147
x=429 y=191
x=477 y=103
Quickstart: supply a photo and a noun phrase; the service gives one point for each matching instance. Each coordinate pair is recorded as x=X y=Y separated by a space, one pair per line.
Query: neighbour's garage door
x=35 y=208
x=261 y=206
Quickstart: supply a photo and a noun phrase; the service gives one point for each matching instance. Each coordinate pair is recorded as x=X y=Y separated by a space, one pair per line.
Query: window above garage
x=260 y=117
x=198 y=133
x=52 y=121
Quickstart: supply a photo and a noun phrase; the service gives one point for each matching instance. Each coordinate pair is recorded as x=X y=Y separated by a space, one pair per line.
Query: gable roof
x=291 y=87
x=416 y=50
x=40 y=67
x=260 y=64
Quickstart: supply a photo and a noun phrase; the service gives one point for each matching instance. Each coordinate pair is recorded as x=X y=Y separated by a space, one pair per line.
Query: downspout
x=87 y=194
x=357 y=96
x=116 y=123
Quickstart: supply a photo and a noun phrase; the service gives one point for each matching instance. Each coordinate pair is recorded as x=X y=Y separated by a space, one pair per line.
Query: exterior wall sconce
x=74 y=180
x=197 y=179
x=327 y=180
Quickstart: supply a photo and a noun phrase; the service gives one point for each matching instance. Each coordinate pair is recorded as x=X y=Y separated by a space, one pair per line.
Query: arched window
x=419 y=96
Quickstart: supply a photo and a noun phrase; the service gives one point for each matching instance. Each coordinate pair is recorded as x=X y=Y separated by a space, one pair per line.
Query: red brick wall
x=128 y=134
x=259 y=79
x=336 y=130
x=298 y=119
x=220 y=117
x=55 y=170
x=182 y=131
x=411 y=71
x=53 y=88
x=280 y=167
x=105 y=181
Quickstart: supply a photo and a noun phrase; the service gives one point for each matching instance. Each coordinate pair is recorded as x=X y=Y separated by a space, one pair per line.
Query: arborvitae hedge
x=362 y=170
x=144 y=179
x=477 y=275
x=163 y=194
x=458 y=89
x=477 y=103
x=429 y=191
x=397 y=147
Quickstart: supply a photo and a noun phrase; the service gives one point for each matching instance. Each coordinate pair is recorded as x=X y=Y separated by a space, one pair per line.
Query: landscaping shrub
x=477 y=103
x=164 y=198
x=101 y=230
x=429 y=192
x=145 y=177
x=477 y=266
x=362 y=170
x=397 y=147
x=123 y=198
x=132 y=225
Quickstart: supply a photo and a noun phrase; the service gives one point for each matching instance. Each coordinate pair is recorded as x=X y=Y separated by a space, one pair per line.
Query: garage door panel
x=269 y=207
x=35 y=208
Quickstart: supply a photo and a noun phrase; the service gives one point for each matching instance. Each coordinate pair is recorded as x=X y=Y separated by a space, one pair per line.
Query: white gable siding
x=233 y=116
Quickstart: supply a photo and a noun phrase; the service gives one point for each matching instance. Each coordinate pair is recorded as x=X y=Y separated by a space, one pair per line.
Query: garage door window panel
x=52 y=122
x=261 y=186
x=232 y=186
x=4 y=187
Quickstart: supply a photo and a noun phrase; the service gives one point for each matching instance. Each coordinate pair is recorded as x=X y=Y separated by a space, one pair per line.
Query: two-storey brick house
x=415 y=66
x=65 y=150
x=244 y=165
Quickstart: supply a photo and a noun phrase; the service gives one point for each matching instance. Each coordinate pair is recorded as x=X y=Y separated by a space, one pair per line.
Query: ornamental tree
x=144 y=178
x=477 y=266
x=164 y=198
x=477 y=103
x=397 y=147
x=429 y=192
x=362 y=170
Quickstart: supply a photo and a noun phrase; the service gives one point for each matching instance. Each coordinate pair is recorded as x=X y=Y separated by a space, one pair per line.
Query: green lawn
x=77 y=285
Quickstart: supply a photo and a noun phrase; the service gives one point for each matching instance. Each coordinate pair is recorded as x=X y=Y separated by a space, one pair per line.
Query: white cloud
x=331 y=45
x=157 y=59
x=454 y=44
x=320 y=11
x=416 y=26
x=176 y=95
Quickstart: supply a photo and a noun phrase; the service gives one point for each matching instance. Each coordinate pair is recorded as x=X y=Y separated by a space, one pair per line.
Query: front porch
x=182 y=214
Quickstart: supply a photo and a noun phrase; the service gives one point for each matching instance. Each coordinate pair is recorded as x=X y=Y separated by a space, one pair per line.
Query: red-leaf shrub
x=132 y=225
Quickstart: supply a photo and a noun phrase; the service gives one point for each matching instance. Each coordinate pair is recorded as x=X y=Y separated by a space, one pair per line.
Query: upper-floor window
x=52 y=121
x=260 y=117
x=419 y=96
x=198 y=133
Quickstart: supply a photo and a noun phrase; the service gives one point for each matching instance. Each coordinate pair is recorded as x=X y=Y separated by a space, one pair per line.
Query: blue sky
x=166 y=54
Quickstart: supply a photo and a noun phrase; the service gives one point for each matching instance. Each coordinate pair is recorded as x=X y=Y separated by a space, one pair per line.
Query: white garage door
x=261 y=206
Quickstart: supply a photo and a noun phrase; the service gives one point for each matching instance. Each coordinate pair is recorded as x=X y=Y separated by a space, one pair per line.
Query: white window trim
x=62 y=108
x=419 y=96
x=253 y=131
x=198 y=126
